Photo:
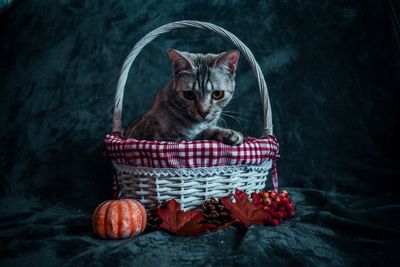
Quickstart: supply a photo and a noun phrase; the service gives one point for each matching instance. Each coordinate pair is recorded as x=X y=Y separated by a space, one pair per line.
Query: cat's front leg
x=227 y=136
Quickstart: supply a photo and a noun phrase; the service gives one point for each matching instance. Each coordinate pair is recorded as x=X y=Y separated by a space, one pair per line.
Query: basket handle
x=201 y=25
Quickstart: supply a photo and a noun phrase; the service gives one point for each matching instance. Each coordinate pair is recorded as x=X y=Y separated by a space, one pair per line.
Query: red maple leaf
x=244 y=211
x=183 y=223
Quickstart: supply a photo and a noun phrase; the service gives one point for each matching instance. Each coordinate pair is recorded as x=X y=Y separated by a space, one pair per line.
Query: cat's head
x=203 y=83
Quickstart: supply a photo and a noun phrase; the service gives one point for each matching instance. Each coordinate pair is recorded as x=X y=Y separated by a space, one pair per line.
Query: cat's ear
x=179 y=61
x=228 y=61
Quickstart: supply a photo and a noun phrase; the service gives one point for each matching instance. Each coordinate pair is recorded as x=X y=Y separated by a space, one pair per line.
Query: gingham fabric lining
x=189 y=154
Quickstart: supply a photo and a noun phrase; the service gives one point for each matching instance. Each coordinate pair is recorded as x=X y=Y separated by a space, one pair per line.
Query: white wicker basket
x=191 y=186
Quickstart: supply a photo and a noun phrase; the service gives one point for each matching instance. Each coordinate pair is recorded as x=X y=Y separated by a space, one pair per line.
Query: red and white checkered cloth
x=191 y=154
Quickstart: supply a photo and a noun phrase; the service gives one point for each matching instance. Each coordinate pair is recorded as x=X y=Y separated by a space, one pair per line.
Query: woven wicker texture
x=191 y=187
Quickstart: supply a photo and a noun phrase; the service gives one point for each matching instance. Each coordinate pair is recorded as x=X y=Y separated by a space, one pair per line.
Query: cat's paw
x=230 y=137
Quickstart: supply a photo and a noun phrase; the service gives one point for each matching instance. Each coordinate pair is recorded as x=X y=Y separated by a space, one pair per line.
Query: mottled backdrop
x=332 y=68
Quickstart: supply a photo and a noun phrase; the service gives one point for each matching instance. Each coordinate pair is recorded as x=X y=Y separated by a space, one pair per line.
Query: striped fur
x=175 y=117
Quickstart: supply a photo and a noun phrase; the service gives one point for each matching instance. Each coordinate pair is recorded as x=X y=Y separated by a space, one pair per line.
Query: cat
x=190 y=105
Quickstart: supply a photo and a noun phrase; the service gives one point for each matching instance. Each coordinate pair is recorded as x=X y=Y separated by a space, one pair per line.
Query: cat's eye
x=217 y=95
x=189 y=95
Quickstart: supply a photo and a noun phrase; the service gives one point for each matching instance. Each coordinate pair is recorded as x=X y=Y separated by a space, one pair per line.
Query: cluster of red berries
x=279 y=206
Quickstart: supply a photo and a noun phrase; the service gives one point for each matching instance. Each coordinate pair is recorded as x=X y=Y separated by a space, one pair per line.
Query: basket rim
x=117 y=134
x=203 y=171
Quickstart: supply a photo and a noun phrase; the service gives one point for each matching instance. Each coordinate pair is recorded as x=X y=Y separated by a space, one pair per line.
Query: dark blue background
x=332 y=68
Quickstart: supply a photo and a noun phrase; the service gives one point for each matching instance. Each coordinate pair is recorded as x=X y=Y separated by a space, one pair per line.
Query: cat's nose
x=204 y=114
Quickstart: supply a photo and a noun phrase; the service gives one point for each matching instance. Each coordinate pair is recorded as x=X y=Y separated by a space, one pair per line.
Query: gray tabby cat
x=190 y=105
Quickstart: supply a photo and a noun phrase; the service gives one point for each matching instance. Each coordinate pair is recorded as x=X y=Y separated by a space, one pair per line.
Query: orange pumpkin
x=116 y=219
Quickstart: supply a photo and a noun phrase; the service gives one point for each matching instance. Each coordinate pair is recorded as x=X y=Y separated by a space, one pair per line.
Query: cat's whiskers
x=220 y=119
x=236 y=118
x=234 y=112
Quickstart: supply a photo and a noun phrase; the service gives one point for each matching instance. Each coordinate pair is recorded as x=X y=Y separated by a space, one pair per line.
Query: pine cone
x=153 y=219
x=153 y=222
x=215 y=213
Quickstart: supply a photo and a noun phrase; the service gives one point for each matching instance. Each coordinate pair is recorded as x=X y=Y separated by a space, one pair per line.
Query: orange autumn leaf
x=244 y=211
x=178 y=222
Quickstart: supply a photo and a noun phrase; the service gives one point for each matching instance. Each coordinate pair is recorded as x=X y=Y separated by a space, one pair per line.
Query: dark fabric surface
x=332 y=69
